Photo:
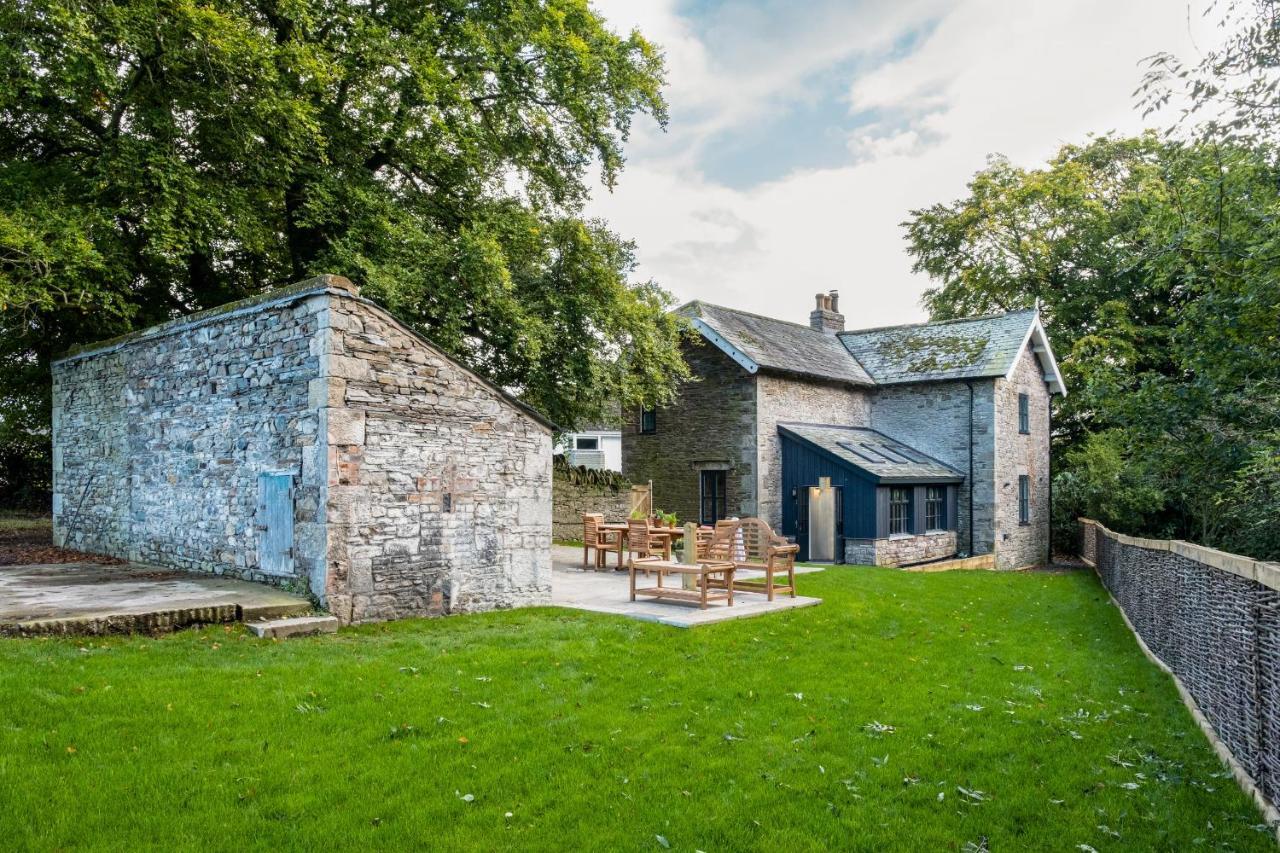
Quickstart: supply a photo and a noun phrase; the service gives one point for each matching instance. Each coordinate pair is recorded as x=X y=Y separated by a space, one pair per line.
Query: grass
x=920 y=711
x=15 y=520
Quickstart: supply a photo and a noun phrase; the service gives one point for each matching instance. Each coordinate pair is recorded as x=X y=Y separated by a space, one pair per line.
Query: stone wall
x=780 y=400
x=440 y=488
x=933 y=417
x=159 y=438
x=900 y=550
x=571 y=501
x=1019 y=545
x=711 y=425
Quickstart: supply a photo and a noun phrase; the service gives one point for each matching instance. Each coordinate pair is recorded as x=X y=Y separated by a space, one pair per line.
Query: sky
x=802 y=134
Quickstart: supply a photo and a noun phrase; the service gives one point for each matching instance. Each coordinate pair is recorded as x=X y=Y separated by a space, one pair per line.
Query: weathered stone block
x=297 y=626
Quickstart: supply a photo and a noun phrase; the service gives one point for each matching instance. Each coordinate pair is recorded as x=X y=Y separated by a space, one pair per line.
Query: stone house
x=934 y=436
x=307 y=439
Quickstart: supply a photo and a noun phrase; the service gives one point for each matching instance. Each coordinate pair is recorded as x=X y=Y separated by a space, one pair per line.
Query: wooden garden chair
x=768 y=552
x=643 y=543
x=702 y=539
x=603 y=541
x=719 y=545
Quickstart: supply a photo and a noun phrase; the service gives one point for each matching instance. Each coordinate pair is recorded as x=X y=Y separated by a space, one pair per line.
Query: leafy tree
x=1109 y=481
x=1154 y=265
x=1233 y=92
x=162 y=156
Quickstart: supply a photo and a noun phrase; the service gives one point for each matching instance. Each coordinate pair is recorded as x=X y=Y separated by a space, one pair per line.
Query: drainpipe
x=971 y=548
x=1048 y=557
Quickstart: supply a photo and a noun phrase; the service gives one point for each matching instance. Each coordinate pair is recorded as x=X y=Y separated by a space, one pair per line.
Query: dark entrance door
x=714 y=505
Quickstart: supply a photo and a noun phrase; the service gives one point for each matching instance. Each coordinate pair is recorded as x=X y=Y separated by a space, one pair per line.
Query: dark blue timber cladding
x=803 y=465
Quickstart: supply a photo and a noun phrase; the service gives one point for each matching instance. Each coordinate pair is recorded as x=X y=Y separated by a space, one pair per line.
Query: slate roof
x=874 y=453
x=952 y=349
x=779 y=345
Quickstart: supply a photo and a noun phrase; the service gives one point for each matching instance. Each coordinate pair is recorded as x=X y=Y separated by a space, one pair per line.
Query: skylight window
x=863 y=452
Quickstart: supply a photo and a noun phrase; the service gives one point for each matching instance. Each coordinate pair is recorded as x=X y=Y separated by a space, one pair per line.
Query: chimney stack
x=826 y=316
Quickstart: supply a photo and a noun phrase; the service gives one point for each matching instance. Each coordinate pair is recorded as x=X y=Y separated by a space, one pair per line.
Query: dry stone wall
x=159 y=440
x=572 y=500
x=440 y=489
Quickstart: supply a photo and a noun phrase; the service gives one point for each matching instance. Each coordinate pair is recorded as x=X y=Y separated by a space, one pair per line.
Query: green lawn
x=908 y=711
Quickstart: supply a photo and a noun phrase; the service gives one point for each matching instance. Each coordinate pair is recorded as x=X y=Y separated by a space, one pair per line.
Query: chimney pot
x=826 y=316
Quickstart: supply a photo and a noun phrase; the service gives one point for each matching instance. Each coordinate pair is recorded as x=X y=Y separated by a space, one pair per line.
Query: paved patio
x=89 y=598
x=608 y=592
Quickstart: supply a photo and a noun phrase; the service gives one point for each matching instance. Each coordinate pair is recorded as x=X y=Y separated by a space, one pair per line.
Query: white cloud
x=1019 y=78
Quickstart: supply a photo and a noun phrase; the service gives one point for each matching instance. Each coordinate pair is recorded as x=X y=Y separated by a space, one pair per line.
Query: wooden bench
x=709 y=575
x=751 y=544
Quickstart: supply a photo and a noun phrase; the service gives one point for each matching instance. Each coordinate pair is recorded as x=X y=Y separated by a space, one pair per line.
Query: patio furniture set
x=719 y=553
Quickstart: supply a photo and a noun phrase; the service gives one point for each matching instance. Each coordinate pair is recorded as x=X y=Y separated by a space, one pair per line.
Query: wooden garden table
x=620 y=527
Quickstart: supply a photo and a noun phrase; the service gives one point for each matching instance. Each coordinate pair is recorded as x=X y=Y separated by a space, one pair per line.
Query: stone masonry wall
x=933 y=417
x=1020 y=545
x=159 y=440
x=571 y=501
x=711 y=425
x=781 y=400
x=439 y=488
x=900 y=550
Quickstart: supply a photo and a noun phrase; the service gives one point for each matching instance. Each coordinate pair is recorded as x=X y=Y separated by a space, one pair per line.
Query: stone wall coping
x=1265 y=573
x=331 y=284
x=903 y=537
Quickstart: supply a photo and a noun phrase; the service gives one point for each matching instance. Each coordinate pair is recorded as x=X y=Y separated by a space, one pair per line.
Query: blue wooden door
x=275 y=524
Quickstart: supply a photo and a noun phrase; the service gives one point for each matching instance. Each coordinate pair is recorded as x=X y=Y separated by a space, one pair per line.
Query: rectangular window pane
x=935 y=507
x=899 y=511
x=1024 y=414
x=648 y=421
x=1024 y=499
x=714 y=500
x=585 y=443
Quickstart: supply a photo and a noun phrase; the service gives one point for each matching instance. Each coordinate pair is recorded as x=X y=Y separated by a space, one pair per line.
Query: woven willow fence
x=1213 y=619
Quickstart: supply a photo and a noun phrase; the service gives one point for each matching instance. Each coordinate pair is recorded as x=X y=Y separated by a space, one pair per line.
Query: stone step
x=296 y=626
x=278 y=609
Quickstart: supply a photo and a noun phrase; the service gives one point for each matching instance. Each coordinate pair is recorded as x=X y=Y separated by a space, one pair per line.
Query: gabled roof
x=884 y=459
x=971 y=348
x=762 y=342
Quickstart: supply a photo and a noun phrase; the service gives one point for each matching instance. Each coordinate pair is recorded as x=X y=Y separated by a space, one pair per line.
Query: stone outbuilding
x=307 y=439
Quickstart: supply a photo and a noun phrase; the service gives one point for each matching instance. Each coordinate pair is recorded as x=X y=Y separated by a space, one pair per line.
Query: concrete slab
x=298 y=626
x=608 y=592
x=87 y=598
